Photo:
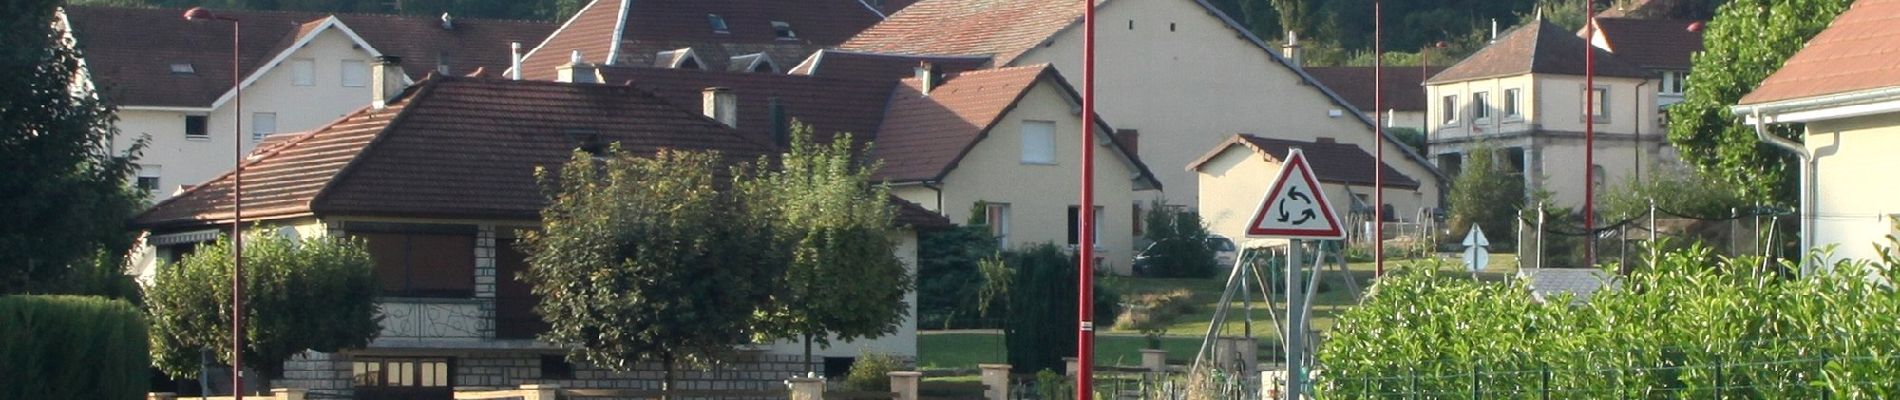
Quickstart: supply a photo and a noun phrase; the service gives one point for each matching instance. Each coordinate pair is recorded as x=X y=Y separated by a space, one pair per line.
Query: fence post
x=1546 y=381
x=1654 y=243
x=1477 y=368
x=1155 y=360
x=1540 y=236
x=904 y=383
x=995 y=381
x=1818 y=372
x=289 y=393
x=1413 y=372
x=541 y=391
x=803 y=388
x=1718 y=377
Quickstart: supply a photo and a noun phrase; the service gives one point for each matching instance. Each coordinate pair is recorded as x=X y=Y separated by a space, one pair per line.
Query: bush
x=1041 y=317
x=72 y=347
x=1487 y=195
x=1152 y=313
x=948 y=280
x=871 y=372
x=1180 y=243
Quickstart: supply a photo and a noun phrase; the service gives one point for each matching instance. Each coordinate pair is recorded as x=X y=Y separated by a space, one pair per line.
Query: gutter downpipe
x=1806 y=213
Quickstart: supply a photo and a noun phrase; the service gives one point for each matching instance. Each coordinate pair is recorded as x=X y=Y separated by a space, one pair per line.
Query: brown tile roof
x=1003 y=29
x=923 y=137
x=829 y=104
x=130 y=50
x=832 y=62
x=1402 y=85
x=449 y=148
x=1856 y=52
x=1651 y=43
x=653 y=26
x=1333 y=162
x=1535 y=48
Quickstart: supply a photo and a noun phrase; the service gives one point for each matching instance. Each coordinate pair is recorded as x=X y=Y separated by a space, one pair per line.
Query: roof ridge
x=302 y=12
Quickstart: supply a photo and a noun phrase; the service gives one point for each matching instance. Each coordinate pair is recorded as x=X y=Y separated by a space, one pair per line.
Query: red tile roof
x=647 y=27
x=130 y=50
x=1857 y=52
x=1333 y=162
x=1651 y=43
x=829 y=104
x=992 y=28
x=1403 y=90
x=1535 y=48
x=833 y=62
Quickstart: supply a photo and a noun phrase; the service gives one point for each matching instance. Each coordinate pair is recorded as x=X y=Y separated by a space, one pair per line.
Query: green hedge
x=72 y=347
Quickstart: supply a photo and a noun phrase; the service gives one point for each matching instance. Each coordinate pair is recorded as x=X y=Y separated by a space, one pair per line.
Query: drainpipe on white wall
x=1807 y=212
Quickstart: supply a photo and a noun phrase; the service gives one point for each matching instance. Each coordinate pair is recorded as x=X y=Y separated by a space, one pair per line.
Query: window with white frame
x=1095 y=227
x=355 y=73
x=1039 y=142
x=1481 y=105
x=1672 y=82
x=1599 y=102
x=1448 y=110
x=303 y=72
x=263 y=124
x=997 y=216
x=1511 y=97
x=148 y=177
x=197 y=127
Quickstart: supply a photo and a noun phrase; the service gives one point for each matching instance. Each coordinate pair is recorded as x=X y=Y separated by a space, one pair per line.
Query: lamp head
x=197 y=13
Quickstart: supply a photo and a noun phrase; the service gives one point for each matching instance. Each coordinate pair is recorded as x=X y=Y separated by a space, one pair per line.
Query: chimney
x=577 y=71
x=1292 y=52
x=927 y=74
x=514 y=65
x=1325 y=139
x=721 y=105
x=385 y=74
x=1494 y=25
x=781 y=126
x=1129 y=139
x=448 y=22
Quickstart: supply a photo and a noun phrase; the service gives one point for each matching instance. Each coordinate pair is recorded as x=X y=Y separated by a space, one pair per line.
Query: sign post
x=1295 y=208
x=1477 y=252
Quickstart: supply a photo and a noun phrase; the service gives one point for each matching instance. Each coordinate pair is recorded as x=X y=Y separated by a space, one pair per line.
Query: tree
x=313 y=294
x=1485 y=194
x=1747 y=41
x=1041 y=319
x=1179 y=243
x=843 y=280
x=644 y=259
x=66 y=193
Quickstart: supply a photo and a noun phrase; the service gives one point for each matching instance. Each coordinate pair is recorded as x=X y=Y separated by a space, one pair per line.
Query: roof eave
x=1824 y=107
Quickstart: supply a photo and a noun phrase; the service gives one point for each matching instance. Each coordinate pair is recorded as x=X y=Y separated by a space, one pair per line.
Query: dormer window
x=718 y=23
x=681 y=58
x=784 y=30
x=182 y=68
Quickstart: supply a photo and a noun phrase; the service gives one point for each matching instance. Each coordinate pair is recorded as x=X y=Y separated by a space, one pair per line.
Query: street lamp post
x=237 y=202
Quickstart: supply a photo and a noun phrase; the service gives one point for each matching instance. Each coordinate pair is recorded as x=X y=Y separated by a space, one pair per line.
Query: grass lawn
x=966 y=349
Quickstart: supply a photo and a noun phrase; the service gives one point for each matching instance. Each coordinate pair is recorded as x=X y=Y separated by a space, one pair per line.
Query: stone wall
x=502 y=369
x=321 y=373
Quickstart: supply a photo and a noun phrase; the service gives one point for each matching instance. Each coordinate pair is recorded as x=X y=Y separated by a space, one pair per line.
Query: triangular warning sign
x=1295 y=206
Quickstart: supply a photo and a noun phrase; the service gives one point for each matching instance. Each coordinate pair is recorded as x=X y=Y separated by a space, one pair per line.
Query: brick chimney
x=386 y=80
x=577 y=71
x=721 y=105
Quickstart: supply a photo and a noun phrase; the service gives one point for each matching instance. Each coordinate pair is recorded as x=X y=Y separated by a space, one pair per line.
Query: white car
x=1224 y=249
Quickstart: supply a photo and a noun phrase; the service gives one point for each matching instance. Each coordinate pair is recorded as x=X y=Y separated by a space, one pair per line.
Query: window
x=997 y=216
x=263 y=124
x=355 y=73
x=1095 y=229
x=1137 y=220
x=1449 y=110
x=718 y=23
x=416 y=260
x=1672 y=82
x=382 y=372
x=1480 y=106
x=1597 y=102
x=1039 y=142
x=303 y=72
x=1451 y=163
x=555 y=366
x=195 y=127
x=783 y=30
x=148 y=178
x=183 y=68
x=1510 y=103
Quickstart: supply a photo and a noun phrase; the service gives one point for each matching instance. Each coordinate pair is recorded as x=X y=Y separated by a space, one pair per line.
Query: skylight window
x=718 y=23
x=784 y=30
x=183 y=68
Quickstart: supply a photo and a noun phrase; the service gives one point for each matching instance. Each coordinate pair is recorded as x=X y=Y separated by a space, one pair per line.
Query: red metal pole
x=1589 y=133
x=1378 y=140
x=1085 y=276
x=237 y=221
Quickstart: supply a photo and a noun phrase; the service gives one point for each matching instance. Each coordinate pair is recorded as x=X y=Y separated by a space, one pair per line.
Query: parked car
x=1150 y=257
x=1224 y=250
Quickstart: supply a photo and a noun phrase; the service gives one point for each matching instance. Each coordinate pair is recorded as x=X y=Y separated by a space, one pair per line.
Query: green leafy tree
x=313 y=294
x=1747 y=41
x=1180 y=243
x=66 y=193
x=1485 y=194
x=651 y=258
x=843 y=282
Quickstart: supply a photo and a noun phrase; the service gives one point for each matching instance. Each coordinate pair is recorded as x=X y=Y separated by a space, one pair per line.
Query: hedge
x=72 y=347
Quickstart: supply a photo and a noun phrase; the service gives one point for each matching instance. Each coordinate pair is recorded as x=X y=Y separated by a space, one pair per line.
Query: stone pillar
x=807 y=388
x=161 y=396
x=289 y=393
x=1154 y=360
x=904 y=384
x=995 y=381
x=485 y=277
x=1070 y=365
x=541 y=392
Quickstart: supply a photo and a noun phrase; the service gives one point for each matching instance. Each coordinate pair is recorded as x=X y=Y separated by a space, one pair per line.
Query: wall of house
x=1233 y=183
x=184 y=161
x=1187 y=81
x=1852 y=213
x=1560 y=104
x=903 y=343
x=1465 y=125
x=1561 y=170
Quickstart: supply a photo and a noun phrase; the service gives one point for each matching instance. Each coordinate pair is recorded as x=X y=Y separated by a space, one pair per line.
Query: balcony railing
x=428 y=318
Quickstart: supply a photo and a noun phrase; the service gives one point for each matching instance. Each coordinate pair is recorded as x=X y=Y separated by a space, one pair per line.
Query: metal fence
x=1547 y=239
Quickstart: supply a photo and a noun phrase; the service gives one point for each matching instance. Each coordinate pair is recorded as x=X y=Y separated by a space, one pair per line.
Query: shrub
x=948 y=280
x=1180 y=242
x=1152 y=313
x=1487 y=195
x=871 y=372
x=72 y=347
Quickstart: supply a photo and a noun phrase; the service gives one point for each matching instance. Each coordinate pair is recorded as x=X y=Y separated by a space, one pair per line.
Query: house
x=1523 y=96
x=1662 y=47
x=1404 y=91
x=947 y=140
x=1236 y=173
x=766 y=36
x=1845 y=88
x=439 y=180
x=172 y=78
x=1179 y=73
